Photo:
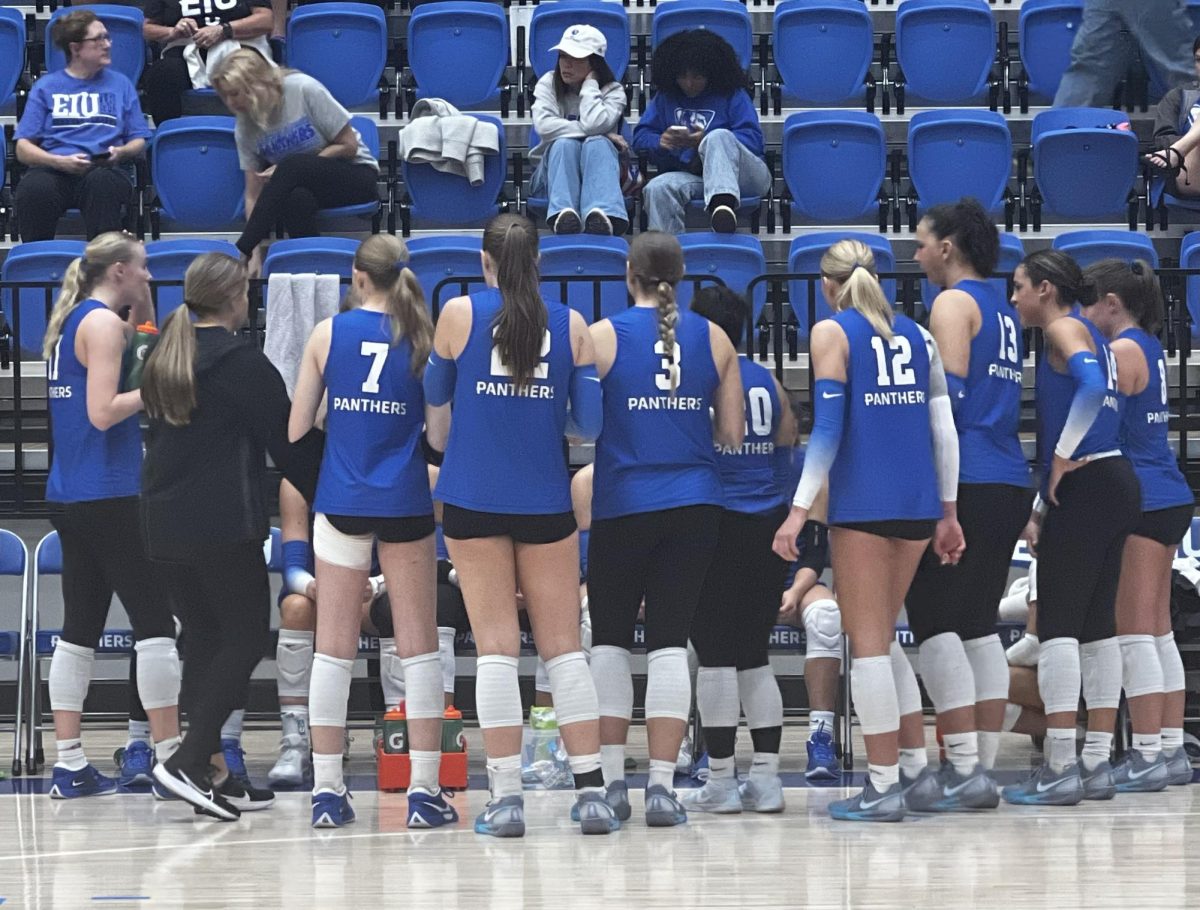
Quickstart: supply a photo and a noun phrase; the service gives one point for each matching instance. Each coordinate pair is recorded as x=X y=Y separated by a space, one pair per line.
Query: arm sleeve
x=743 y=123
x=941 y=424
x=329 y=117
x=440 y=376
x=600 y=109
x=587 y=403
x=547 y=116
x=1090 y=389
x=829 y=416
x=297 y=566
x=957 y=386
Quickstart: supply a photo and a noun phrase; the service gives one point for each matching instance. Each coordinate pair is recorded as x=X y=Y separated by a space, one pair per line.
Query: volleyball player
x=952 y=609
x=1088 y=503
x=95 y=479
x=656 y=508
x=1128 y=309
x=739 y=600
x=510 y=361
x=879 y=388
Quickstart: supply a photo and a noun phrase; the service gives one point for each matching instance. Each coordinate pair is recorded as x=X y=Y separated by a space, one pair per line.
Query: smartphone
x=678 y=129
x=101 y=157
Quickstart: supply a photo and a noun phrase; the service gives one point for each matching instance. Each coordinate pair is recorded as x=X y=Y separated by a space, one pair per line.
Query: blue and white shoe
x=1179 y=768
x=332 y=810
x=1133 y=774
x=1098 y=784
x=719 y=796
x=134 y=765
x=870 y=805
x=1045 y=788
x=823 y=763
x=68 y=784
x=594 y=814
x=764 y=796
x=700 y=770
x=235 y=759
x=504 y=817
x=948 y=791
x=429 y=810
x=663 y=809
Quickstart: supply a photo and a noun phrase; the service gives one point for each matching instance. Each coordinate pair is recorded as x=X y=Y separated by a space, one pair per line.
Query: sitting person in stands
x=80 y=132
x=1177 y=135
x=702 y=132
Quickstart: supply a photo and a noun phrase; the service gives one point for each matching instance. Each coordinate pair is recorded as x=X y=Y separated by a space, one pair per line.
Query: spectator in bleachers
x=80 y=132
x=702 y=132
x=1177 y=134
x=193 y=41
x=577 y=112
x=297 y=147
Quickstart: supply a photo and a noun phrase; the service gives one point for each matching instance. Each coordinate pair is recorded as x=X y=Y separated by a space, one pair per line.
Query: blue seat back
x=12 y=51
x=12 y=553
x=581 y=254
x=805 y=257
x=49 y=555
x=1189 y=258
x=1083 y=166
x=952 y=154
x=434 y=259
x=833 y=163
x=551 y=20
x=457 y=50
x=734 y=258
x=168 y=260
x=195 y=169
x=1012 y=251
x=449 y=199
x=823 y=49
x=321 y=255
x=369 y=130
x=1087 y=247
x=344 y=46
x=729 y=20
x=38 y=260
x=1047 y=29
x=124 y=24
x=946 y=47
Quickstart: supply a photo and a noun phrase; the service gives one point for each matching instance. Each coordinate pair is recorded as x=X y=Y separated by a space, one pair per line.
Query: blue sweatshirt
x=708 y=112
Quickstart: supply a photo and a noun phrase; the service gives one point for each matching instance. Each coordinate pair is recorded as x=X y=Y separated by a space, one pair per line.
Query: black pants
x=1079 y=553
x=301 y=186
x=964 y=598
x=660 y=556
x=44 y=195
x=165 y=82
x=225 y=605
x=740 y=598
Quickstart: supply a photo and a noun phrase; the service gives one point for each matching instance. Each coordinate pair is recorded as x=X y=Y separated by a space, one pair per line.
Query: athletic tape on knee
x=497 y=692
x=1100 y=664
x=446 y=655
x=761 y=700
x=613 y=680
x=329 y=692
x=1059 y=677
x=1012 y=714
x=541 y=679
x=157 y=673
x=573 y=690
x=874 y=690
x=423 y=698
x=1174 y=679
x=947 y=672
x=70 y=676
x=823 y=629
x=338 y=549
x=391 y=673
x=1141 y=670
x=989 y=665
x=908 y=693
x=293 y=663
x=717 y=696
x=668 y=684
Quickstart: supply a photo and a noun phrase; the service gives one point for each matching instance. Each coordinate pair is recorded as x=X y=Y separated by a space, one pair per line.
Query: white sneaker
x=719 y=796
x=759 y=795
x=1024 y=653
x=294 y=765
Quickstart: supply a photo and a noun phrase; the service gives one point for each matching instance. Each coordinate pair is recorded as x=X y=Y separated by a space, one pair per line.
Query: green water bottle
x=140 y=345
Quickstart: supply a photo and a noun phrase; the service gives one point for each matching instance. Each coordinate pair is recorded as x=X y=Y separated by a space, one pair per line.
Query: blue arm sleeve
x=829 y=415
x=957 y=387
x=440 y=377
x=1090 y=389
x=297 y=565
x=587 y=403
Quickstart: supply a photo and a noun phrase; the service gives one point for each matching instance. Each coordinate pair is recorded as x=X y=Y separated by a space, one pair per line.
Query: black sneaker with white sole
x=199 y=793
x=245 y=797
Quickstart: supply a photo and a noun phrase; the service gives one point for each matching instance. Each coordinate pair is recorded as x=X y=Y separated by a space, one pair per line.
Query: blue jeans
x=580 y=174
x=1100 y=54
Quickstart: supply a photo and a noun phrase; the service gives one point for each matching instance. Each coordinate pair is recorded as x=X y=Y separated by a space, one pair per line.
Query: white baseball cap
x=581 y=41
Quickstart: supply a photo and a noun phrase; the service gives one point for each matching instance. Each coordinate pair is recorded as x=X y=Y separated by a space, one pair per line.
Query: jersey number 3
x=894 y=369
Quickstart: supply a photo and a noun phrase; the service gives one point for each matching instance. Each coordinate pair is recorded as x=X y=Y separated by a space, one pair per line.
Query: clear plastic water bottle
x=544 y=764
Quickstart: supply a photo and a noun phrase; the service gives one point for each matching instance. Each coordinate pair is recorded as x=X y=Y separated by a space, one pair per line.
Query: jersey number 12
x=896 y=369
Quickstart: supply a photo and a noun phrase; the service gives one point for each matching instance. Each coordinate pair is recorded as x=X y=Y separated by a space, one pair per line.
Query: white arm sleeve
x=941 y=422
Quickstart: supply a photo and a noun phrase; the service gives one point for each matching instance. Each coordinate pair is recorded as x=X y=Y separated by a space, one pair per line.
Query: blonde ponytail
x=81 y=277
x=383 y=259
x=667 y=310
x=852 y=264
x=656 y=265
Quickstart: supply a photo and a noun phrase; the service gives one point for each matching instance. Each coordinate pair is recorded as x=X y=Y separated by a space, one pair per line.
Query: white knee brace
x=908 y=693
x=1100 y=665
x=157 y=673
x=541 y=678
x=668 y=684
x=823 y=629
x=1142 y=672
x=446 y=654
x=761 y=700
x=947 y=672
x=1059 y=676
x=293 y=663
x=497 y=692
x=338 y=549
x=613 y=680
x=330 y=691
x=874 y=689
x=1031 y=596
x=717 y=696
x=574 y=692
x=70 y=676
x=423 y=685
x=391 y=673
x=1174 y=679
x=989 y=665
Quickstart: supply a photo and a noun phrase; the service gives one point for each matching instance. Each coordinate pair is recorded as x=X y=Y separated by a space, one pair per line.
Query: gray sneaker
x=871 y=805
x=759 y=796
x=719 y=796
x=1179 y=767
x=923 y=791
x=1045 y=788
x=1099 y=783
x=663 y=809
x=1133 y=774
x=949 y=791
x=504 y=817
x=616 y=795
x=594 y=814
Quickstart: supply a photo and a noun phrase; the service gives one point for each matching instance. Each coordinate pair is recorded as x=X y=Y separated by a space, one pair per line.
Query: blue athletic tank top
x=1143 y=437
x=88 y=464
x=656 y=449
x=988 y=420
x=373 y=466
x=748 y=473
x=886 y=423
x=505 y=453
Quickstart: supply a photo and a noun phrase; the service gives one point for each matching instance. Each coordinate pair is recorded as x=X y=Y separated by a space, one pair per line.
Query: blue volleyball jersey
x=884 y=467
x=656 y=449
x=748 y=473
x=373 y=465
x=1144 y=423
x=988 y=419
x=1056 y=391
x=88 y=463
x=505 y=453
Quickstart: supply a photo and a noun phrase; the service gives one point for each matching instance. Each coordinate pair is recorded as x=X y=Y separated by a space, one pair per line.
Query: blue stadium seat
x=945 y=48
x=833 y=164
x=1047 y=29
x=344 y=46
x=1189 y=258
x=196 y=175
x=1012 y=251
x=447 y=199
x=38 y=260
x=370 y=135
x=823 y=50
x=434 y=259
x=168 y=260
x=729 y=20
x=550 y=20
x=12 y=53
x=124 y=24
x=1083 y=164
x=1086 y=247
x=584 y=254
x=804 y=257
x=321 y=255
x=14 y=562
x=952 y=154
x=457 y=50
x=734 y=258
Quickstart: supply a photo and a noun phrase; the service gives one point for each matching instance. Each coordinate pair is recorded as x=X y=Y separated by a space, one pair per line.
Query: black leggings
x=165 y=81
x=1079 y=552
x=44 y=195
x=740 y=598
x=301 y=186
x=964 y=598
x=660 y=556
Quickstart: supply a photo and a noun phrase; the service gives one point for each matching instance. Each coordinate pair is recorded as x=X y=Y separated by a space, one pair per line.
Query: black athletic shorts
x=386 y=530
x=901 y=529
x=1166 y=526
x=467 y=524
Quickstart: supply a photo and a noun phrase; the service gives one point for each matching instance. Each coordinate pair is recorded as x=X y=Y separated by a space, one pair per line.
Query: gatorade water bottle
x=454 y=751
x=395 y=731
x=140 y=345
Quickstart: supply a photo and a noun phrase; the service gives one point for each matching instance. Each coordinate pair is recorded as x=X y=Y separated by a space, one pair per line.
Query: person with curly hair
x=701 y=131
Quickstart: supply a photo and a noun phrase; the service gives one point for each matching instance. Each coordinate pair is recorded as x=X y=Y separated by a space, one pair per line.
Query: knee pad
x=668 y=684
x=1059 y=677
x=541 y=678
x=761 y=700
x=330 y=691
x=293 y=662
x=947 y=672
x=823 y=629
x=989 y=665
x=585 y=627
x=446 y=656
x=497 y=692
x=1141 y=670
x=574 y=692
x=391 y=673
x=874 y=689
x=717 y=696
x=338 y=549
x=423 y=686
x=613 y=680
x=70 y=676
x=157 y=673
x=1174 y=679
x=908 y=693
x=1100 y=666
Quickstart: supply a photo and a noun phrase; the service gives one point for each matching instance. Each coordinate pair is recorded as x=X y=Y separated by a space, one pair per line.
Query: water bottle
x=544 y=759
x=145 y=337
